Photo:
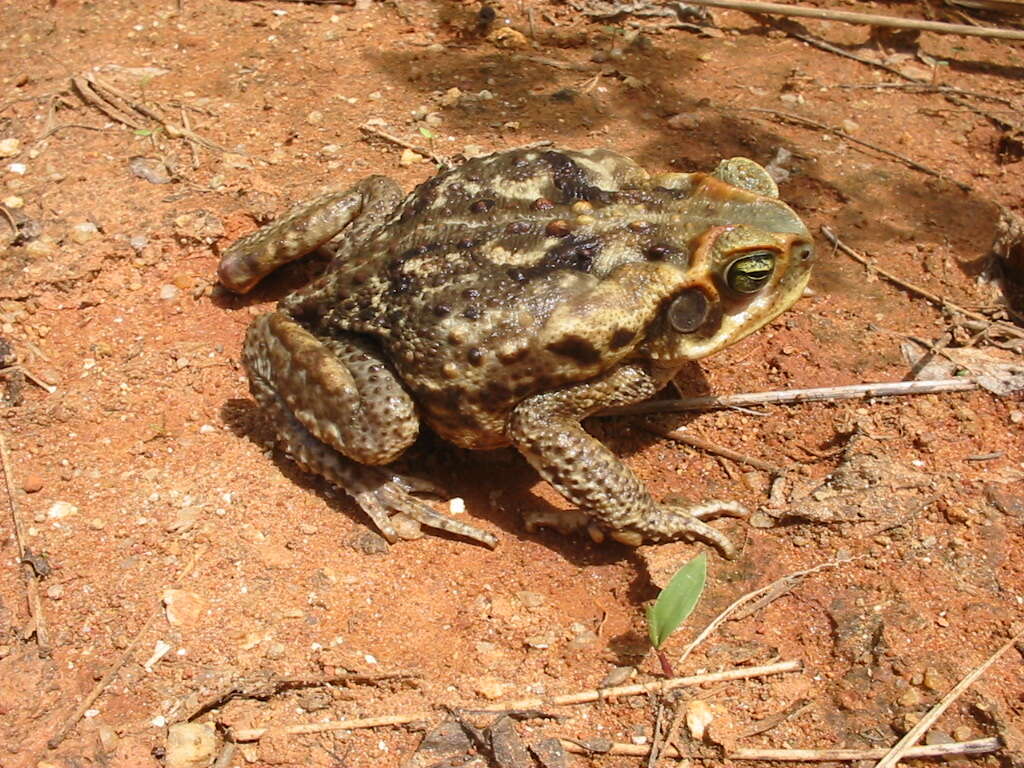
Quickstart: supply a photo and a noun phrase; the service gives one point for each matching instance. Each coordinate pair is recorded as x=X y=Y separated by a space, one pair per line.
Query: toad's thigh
x=340 y=389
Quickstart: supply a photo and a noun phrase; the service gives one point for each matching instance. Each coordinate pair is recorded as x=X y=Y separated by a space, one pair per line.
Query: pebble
x=61 y=509
x=617 y=676
x=183 y=608
x=410 y=158
x=18 y=169
x=315 y=117
x=934 y=681
x=406 y=527
x=14 y=202
x=32 y=483
x=9 y=147
x=56 y=592
x=168 y=292
x=307 y=528
x=190 y=745
x=490 y=688
x=698 y=718
x=910 y=698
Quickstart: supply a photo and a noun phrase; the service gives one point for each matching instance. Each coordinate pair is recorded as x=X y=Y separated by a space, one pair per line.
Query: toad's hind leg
x=338 y=408
x=306 y=227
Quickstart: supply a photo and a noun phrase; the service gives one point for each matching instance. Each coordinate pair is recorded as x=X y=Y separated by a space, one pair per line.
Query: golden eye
x=750 y=272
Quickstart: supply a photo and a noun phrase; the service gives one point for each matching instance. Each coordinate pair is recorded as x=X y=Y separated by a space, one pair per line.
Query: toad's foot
x=672 y=522
x=380 y=492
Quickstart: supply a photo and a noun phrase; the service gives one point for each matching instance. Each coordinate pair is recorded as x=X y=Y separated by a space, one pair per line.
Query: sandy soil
x=149 y=469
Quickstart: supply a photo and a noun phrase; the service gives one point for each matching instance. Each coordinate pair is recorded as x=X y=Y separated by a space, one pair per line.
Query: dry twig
x=681 y=436
x=442 y=162
x=72 y=719
x=939 y=301
x=976 y=747
x=775 y=589
x=870 y=19
x=797 y=396
x=35 y=602
x=581 y=697
x=903 y=746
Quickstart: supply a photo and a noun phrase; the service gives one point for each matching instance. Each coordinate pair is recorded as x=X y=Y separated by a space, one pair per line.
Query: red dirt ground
x=109 y=295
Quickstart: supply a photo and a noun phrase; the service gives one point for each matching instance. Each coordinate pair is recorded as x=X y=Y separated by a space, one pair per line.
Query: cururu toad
x=501 y=303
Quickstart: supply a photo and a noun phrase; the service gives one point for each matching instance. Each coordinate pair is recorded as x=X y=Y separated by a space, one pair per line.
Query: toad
x=501 y=303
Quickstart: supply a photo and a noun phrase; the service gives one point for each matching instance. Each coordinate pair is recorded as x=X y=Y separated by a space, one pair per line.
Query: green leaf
x=677 y=600
x=426 y=132
x=143 y=132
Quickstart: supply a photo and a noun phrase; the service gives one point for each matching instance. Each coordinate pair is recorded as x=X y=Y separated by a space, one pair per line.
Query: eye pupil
x=750 y=273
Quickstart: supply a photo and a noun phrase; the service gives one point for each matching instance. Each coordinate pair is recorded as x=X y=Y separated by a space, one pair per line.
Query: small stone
x=490 y=688
x=83 y=232
x=937 y=737
x=410 y=158
x=190 y=745
x=307 y=528
x=183 y=608
x=910 y=698
x=761 y=520
x=61 y=509
x=56 y=592
x=315 y=117
x=406 y=527
x=934 y=681
x=684 y=121
x=617 y=676
x=531 y=600
x=850 y=126
x=41 y=247
x=369 y=543
x=275 y=651
x=1017 y=417
x=169 y=292
x=451 y=97
x=18 y=169
x=698 y=718
x=96 y=524
x=32 y=483
x=14 y=202
x=9 y=147
x=107 y=738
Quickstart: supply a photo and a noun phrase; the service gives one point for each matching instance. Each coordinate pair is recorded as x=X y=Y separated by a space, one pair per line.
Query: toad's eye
x=750 y=272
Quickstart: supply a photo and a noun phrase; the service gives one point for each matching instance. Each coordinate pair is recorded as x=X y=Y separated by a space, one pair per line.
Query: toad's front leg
x=546 y=430
x=341 y=412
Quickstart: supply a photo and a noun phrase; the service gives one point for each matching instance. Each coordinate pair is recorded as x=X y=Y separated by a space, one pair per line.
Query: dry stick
x=806 y=121
x=870 y=19
x=939 y=301
x=72 y=719
x=35 y=602
x=442 y=162
x=976 y=747
x=581 y=697
x=796 y=396
x=680 y=436
x=785 y=582
x=902 y=747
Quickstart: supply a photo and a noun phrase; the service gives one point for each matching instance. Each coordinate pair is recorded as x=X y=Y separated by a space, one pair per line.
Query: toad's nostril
x=689 y=310
x=803 y=251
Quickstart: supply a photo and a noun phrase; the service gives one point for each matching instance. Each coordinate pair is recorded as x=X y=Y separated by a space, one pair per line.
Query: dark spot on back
x=518 y=227
x=471 y=313
x=621 y=338
x=572 y=181
x=574 y=252
x=661 y=253
x=482 y=205
x=576 y=348
x=475 y=355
